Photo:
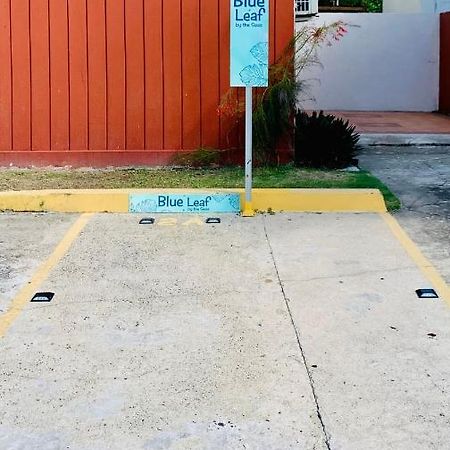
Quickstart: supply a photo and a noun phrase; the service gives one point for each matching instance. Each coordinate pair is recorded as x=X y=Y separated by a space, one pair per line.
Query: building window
x=302 y=6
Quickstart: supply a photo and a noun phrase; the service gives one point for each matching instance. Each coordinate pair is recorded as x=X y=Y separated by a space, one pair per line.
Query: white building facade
x=416 y=6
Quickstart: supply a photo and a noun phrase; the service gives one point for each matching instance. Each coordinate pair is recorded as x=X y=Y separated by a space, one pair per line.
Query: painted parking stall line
x=28 y=291
x=418 y=257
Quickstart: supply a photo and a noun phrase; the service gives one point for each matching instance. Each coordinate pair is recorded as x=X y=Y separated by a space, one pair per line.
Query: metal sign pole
x=249 y=68
x=248 y=210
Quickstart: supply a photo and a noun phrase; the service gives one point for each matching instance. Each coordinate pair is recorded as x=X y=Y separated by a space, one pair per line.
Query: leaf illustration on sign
x=235 y=202
x=260 y=52
x=256 y=74
x=147 y=205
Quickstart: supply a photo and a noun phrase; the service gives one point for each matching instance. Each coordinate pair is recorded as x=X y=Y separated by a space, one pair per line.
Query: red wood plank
x=227 y=135
x=115 y=38
x=59 y=75
x=97 y=96
x=173 y=105
x=135 y=85
x=40 y=75
x=191 y=74
x=5 y=77
x=210 y=73
x=154 y=113
x=444 y=100
x=78 y=75
x=272 y=28
x=284 y=26
x=87 y=158
x=21 y=93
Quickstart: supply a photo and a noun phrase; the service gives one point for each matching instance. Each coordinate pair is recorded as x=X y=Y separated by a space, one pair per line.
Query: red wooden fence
x=116 y=82
x=444 y=101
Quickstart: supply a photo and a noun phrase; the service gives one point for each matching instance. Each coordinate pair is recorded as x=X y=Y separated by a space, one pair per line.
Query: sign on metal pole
x=249 y=65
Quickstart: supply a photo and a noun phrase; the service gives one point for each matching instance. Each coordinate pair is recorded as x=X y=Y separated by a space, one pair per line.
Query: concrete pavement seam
x=300 y=346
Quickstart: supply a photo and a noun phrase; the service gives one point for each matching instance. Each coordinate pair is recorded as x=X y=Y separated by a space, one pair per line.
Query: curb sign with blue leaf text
x=184 y=203
x=249 y=46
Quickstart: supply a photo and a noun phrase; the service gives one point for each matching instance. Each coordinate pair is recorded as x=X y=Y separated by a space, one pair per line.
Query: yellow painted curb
x=116 y=200
x=319 y=200
x=76 y=201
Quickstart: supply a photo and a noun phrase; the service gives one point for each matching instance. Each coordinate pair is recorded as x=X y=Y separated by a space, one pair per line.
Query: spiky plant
x=324 y=141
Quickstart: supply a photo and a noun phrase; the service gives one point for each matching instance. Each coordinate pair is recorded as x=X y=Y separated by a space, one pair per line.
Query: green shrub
x=369 y=5
x=324 y=141
x=373 y=5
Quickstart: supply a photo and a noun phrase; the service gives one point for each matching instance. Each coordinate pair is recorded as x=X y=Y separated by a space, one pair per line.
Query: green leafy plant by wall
x=375 y=6
x=274 y=106
x=324 y=141
x=369 y=5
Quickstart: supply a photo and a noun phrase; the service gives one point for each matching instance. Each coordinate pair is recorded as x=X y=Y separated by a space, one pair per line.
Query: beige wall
x=380 y=65
x=416 y=6
x=443 y=5
x=408 y=6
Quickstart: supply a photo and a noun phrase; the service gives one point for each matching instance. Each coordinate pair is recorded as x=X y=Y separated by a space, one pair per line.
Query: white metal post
x=248 y=209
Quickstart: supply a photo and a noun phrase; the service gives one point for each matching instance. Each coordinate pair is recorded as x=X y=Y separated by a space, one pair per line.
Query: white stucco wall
x=387 y=62
x=406 y=6
x=443 y=6
x=415 y=6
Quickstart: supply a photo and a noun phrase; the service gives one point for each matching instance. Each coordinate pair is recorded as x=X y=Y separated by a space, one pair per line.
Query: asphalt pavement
x=420 y=177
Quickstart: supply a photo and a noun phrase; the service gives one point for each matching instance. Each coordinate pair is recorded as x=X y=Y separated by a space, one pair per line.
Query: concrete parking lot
x=283 y=331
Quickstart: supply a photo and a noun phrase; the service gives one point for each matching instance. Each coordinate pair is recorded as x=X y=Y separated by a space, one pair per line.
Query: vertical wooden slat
x=284 y=26
x=272 y=28
x=191 y=74
x=21 y=93
x=59 y=75
x=172 y=75
x=78 y=75
x=5 y=77
x=40 y=75
x=210 y=72
x=115 y=37
x=284 y=31
x=240 y=97
x=97 y=96
x=154 y=113
x=444 y=93
x=227 y=137
x=135 y=87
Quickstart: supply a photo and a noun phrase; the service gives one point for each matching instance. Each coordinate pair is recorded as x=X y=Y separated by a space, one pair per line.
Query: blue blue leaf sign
x=249 y=43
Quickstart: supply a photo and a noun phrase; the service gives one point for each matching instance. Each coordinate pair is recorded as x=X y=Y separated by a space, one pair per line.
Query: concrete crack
x=300 y=346
x=354 y=274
